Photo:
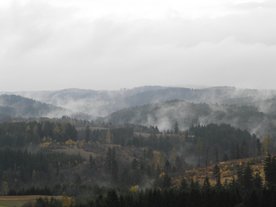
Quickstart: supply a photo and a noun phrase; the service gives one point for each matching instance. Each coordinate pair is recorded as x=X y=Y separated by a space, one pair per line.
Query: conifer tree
x=216 y=173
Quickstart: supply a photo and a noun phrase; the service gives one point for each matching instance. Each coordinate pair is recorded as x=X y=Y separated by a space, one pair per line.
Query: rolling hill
x=102 y=103
x=253 y=110
x=164 y=115
x=18 y=106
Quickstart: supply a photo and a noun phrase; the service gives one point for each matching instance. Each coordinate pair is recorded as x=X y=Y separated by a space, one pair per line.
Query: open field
x=18 y=201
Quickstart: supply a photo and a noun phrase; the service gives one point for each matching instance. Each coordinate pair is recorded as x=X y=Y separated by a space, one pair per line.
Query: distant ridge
x=102 y=103
x=18 y=106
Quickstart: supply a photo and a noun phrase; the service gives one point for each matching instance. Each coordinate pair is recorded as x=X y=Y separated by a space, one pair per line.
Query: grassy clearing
x=18 y=201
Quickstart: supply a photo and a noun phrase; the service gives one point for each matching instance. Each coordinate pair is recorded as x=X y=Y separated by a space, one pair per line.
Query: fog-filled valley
x=253 y=110
x=97 y=148
x=102 y=103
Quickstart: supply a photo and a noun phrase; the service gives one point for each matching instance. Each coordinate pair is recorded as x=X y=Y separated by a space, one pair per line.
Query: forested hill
x=164 y=116
x=117 y=157
x=18 y=106
x=102 y=103
x=253 y=110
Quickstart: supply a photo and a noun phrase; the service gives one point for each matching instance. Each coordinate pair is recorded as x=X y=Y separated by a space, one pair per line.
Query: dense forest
x=135 y=165
x=247 y=190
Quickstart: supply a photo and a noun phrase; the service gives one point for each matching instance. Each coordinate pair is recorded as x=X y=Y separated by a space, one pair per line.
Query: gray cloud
x=249 y=5
x=49 y=46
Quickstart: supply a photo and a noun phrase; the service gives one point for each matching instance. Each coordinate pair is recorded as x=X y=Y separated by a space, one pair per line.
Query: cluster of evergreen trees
x=247 y=190
x=223 y=142
x=18 y=134
x=158 y=153
x=18 y=168
x=194 y=198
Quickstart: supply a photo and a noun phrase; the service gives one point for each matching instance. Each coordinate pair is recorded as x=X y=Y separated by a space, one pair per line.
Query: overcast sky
x=113 y=44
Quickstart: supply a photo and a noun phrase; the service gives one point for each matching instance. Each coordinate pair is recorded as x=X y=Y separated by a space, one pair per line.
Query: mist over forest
x=106 y=148
x=149 y=103
x=250 y=109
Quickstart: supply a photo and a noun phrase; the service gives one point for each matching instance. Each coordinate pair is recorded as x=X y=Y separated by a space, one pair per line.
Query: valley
x=172 y=139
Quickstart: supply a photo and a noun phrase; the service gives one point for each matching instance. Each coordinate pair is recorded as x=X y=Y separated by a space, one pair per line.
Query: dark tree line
x=207 y=197
x=247 y=190
x=18 y=168
x=111 y=164
x=223 y=142
x=119 y=135
x=19 y=134
x=162 y=142
x=31 y=191
x=270 y=171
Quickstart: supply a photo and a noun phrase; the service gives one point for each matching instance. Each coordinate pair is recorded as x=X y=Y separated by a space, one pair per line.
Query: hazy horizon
x=136 y=87
x=127 y=88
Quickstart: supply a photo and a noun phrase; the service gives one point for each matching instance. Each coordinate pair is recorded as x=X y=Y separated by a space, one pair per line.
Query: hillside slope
x=17 y=106
x=102 y=103
x=165 y=115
